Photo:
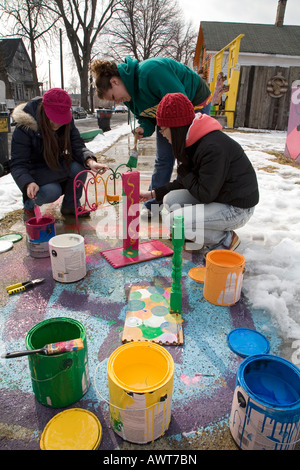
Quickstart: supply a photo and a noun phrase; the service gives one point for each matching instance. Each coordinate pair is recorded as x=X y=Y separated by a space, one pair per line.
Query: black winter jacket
x=218 y=170
x=27 y=163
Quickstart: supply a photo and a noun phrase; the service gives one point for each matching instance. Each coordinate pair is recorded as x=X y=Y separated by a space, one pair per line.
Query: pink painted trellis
x=132 y=251
x=101 y=194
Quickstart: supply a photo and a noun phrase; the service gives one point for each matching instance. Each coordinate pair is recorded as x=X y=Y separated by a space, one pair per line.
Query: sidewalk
x=201 y=405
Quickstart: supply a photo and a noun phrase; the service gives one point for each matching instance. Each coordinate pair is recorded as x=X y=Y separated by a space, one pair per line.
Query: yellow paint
x=233 y=75
x=13 y=431
x=140 y=374
x=156 y=252
x=73 y=429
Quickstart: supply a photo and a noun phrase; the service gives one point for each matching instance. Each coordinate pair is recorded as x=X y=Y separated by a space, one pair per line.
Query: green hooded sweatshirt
x=149 y=81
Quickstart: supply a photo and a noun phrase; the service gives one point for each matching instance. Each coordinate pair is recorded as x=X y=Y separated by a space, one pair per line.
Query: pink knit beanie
x=57 y=105
x=175 y=110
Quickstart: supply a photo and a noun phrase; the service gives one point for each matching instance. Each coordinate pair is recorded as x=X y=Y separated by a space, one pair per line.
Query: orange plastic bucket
x=223 y=277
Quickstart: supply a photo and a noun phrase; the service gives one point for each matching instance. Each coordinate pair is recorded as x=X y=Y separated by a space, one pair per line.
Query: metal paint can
x=265 y=412
x=38 y=234
x=223 y=277
x=140 y=379
x=68 y=258
x=58 y=380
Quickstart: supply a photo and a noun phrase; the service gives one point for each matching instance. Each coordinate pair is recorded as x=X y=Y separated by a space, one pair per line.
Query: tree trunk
x=84 y=85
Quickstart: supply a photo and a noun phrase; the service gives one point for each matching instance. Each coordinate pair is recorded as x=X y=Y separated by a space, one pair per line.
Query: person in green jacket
x=141 y=86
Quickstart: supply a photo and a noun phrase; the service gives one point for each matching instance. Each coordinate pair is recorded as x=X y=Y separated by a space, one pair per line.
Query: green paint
x=158 y=298
x=135 y=295
x=129 y=253
x=132 y=162
x=149 y=332
x=135 y=305
x=155 y=290
x=117 y=424
x=160 y=311
x=178 y=242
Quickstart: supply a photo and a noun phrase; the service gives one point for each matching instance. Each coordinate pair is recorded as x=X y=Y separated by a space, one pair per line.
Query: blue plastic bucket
x=265 y=412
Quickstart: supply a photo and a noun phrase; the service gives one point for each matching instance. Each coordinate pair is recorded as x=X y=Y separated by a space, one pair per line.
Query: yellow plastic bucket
x=223 y=277
x=73 y=429
x=140 y=379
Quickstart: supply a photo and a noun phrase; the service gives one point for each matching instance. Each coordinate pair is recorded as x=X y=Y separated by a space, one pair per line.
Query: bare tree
x=142 y=28
x=31 y=21
x=83 y=20
x=182 y=44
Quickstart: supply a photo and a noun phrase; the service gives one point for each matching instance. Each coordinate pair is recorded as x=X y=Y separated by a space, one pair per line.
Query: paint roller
x=49 y=349
x=133 y=156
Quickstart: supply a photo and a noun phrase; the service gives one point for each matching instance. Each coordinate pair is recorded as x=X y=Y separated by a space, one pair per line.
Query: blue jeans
x=164 y=161
x=52 y=191
x=209 y=225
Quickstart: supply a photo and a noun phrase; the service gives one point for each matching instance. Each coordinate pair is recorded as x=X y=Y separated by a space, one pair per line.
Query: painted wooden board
x=148 y=317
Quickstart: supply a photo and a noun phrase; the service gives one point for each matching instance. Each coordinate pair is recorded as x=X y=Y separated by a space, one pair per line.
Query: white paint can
x=68 y=259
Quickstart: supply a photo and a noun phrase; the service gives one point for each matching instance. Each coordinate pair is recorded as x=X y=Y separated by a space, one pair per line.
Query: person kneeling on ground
x=47 y=152
x=216 y=189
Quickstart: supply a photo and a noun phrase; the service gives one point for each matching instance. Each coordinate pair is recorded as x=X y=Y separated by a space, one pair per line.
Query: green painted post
x=178 y=242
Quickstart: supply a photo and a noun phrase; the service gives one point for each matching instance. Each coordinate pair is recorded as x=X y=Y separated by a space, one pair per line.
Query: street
x=90 y=123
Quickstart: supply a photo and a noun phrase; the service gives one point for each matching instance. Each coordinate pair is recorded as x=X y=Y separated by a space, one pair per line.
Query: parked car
x=121 y=109
x=78 y=112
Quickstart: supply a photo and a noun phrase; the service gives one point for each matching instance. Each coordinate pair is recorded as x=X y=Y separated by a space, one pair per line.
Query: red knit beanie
x=57 y=105
x=175 y=110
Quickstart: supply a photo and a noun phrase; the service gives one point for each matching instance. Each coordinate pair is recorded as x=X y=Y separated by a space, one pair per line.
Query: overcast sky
x=239 y=11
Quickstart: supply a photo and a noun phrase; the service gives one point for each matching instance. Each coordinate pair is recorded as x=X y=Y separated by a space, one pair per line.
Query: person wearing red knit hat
x=47 y=152
x=216 y=189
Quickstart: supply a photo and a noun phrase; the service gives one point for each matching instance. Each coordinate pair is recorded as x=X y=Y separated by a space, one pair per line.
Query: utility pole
x=61 y=60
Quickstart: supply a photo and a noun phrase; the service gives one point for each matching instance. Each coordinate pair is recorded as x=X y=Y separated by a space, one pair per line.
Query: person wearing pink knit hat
x=47 y=152
x=216 y=189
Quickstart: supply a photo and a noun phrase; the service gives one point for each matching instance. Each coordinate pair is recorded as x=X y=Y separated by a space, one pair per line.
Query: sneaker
x=146 y=213
x=235 y=241
x=71 y=212
x=27 y=214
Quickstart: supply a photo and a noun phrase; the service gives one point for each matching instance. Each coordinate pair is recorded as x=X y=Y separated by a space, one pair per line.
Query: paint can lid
x=197 y=273
x=5 y=245
x=74 y=429
x=12 y=237
x=246 y=342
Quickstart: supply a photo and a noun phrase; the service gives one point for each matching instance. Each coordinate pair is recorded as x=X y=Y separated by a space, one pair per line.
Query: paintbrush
x=133 y=156
x=37 y=212
x=54 y=348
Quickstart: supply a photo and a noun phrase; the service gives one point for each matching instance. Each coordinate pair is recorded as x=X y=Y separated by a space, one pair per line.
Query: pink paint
x=131 y=191
x=147 y=250
x=37 y=213
x=193 y=380
x=292 y=148
x=65 y=346
x=190 y=380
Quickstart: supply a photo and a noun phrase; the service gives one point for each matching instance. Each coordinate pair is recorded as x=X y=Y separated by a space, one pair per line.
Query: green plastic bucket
x=58 y=380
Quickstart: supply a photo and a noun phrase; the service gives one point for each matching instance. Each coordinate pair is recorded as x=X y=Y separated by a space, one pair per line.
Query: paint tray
x=148 y=317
